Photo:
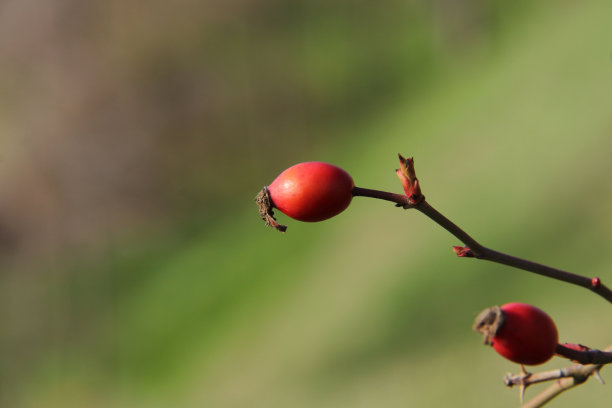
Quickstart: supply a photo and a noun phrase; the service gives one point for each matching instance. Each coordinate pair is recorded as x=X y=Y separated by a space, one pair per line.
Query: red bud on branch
x=407 y=176
x=463 y=252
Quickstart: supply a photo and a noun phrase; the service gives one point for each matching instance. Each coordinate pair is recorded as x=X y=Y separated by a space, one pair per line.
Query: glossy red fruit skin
x=312 y=191
x=528 y=335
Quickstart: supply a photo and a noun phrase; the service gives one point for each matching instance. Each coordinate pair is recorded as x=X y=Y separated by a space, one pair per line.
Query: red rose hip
x=519 y=332
x=311 y=191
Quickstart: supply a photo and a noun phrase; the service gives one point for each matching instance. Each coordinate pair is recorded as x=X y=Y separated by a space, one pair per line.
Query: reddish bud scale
x=312 y=191
x=410 y=183
x=463 y=252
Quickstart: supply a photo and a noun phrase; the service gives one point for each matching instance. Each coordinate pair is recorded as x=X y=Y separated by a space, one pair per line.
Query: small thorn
x=523 y=386
x=522 y=389
x=597 y=375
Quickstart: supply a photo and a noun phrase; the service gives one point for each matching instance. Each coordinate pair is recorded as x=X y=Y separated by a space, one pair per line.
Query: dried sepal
x=266 y=210
x=488 y=323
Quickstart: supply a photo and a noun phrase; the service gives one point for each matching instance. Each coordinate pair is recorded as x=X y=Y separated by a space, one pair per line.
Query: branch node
x=523 y=383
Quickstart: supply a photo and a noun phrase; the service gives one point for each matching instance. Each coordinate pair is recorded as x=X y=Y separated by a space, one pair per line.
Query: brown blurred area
x=118 y=115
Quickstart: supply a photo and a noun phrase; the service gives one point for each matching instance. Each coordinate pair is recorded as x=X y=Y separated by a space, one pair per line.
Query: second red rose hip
x=520 y=332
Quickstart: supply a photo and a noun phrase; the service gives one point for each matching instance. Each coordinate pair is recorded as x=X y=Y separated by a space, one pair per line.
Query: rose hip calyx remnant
x=488 y=323
x=266 y=210
x=519 y=332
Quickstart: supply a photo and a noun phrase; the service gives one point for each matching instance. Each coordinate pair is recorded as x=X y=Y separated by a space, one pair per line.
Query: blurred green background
x=135 y=271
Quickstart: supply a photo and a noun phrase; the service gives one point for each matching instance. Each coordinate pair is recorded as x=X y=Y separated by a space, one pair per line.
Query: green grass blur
x=511 y=139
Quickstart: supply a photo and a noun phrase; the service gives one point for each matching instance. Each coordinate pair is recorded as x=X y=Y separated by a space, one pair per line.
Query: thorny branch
x=415 y=199
x=566 y=378
x=591 y=361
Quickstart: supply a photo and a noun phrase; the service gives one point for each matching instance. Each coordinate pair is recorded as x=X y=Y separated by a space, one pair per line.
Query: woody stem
x=481 y=252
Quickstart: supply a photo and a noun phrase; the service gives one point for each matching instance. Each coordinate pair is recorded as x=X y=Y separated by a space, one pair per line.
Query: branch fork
x=414 y=198
x=591 y=361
